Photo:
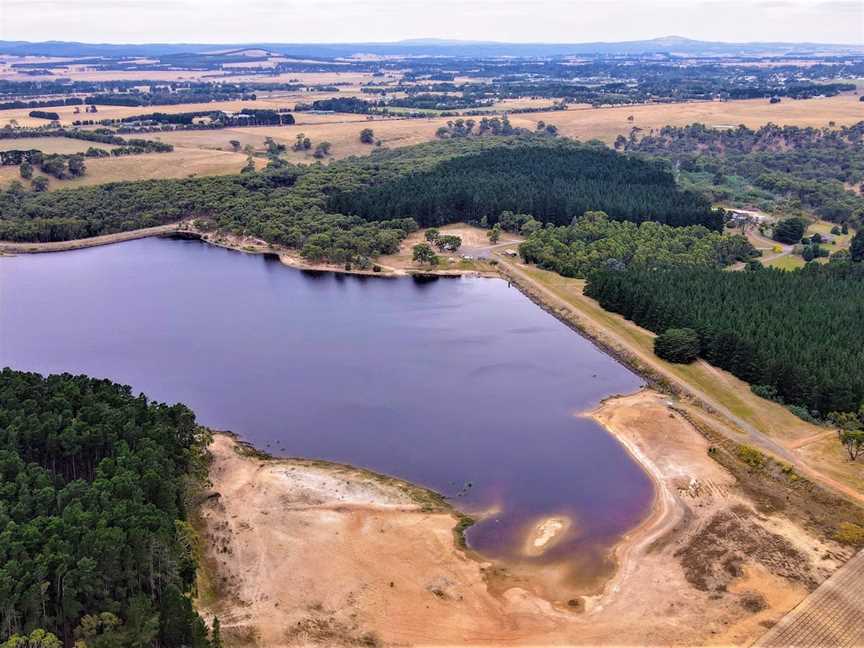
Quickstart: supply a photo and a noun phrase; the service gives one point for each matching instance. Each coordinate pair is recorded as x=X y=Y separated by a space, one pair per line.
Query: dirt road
x=11 y=247
x=721 y=416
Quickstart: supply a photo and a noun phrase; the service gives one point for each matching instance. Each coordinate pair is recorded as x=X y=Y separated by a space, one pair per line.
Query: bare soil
x=299 y=552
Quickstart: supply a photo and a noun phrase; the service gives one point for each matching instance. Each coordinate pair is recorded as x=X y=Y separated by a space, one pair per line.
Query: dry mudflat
x=298 y=552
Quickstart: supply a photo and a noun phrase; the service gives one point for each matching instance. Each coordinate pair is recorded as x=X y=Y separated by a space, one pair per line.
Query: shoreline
x=428 y=499
x=249 y=246
x=663 y=514
x=619 y=551
x=290 y=258
x=656 y=521
x=286 y=256
x=307 y=543
x=668 y=520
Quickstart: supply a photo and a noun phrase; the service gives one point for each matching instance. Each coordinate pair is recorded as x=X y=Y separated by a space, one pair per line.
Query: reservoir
x=462 y=385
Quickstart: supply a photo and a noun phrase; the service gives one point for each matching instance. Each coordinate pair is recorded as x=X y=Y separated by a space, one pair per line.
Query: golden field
x=64 y=145
x=343 y=130
x=181 y=163
x=209 y=152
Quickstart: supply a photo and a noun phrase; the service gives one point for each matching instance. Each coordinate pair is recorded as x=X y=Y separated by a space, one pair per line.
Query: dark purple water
x=440 y=382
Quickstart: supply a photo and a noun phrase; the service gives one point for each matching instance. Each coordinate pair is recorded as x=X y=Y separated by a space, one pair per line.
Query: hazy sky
x=227 y=21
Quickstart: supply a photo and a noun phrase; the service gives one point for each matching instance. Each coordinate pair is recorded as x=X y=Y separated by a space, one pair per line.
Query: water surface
x=462 y=385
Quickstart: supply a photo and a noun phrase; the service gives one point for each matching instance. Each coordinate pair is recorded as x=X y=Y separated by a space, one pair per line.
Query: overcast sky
x=301 y=21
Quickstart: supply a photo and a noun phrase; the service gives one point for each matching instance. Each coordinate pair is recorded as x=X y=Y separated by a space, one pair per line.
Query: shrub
x=751 y=456
x=677 y=345
x=768 y=392
x=803 y=413
x=851 y=534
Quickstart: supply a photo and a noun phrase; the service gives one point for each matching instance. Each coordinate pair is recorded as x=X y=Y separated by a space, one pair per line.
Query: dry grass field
x=237 y=73
x=209 y=152
x=68 y=114
x=181 y=163
x=343 y=130
x=63 y=145
x=607 y=123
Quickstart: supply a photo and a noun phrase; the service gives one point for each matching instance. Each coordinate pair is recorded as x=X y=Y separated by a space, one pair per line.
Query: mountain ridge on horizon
x=671 y=44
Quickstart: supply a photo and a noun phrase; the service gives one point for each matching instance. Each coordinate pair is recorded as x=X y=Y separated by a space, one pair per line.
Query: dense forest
x=786 y=169
x=594 y=242
x=94 y=543
x=265 y=205
x=353 y=210
x=794 y=335
x=554 y=180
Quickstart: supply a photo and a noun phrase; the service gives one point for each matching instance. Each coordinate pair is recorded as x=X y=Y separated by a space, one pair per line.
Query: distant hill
x=670 y=45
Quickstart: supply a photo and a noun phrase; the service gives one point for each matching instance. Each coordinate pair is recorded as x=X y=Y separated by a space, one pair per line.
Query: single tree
x=530 y=226
x=853 y=441
x=790 y=230
x=494 y=234
x=423 y=253
x=432 y=234
x=302 y=143
x=77 y=168
x=680 y=345
x=322 y=150
x=367 y=136
x=856 y=248
x=216 y=634
x=39 y=183
x=448 y=242
x=26 y=170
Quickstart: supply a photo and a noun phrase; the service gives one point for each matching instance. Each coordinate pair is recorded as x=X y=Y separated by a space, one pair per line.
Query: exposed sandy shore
x=310 y=553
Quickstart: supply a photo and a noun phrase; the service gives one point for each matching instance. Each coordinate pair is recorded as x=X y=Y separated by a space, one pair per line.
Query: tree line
x=795 y=336
x=594 y=242
x=95 y=547
x=218 y=118
x=554 y=180
x=787 y=169
x=353 y=210
x=284 y=206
